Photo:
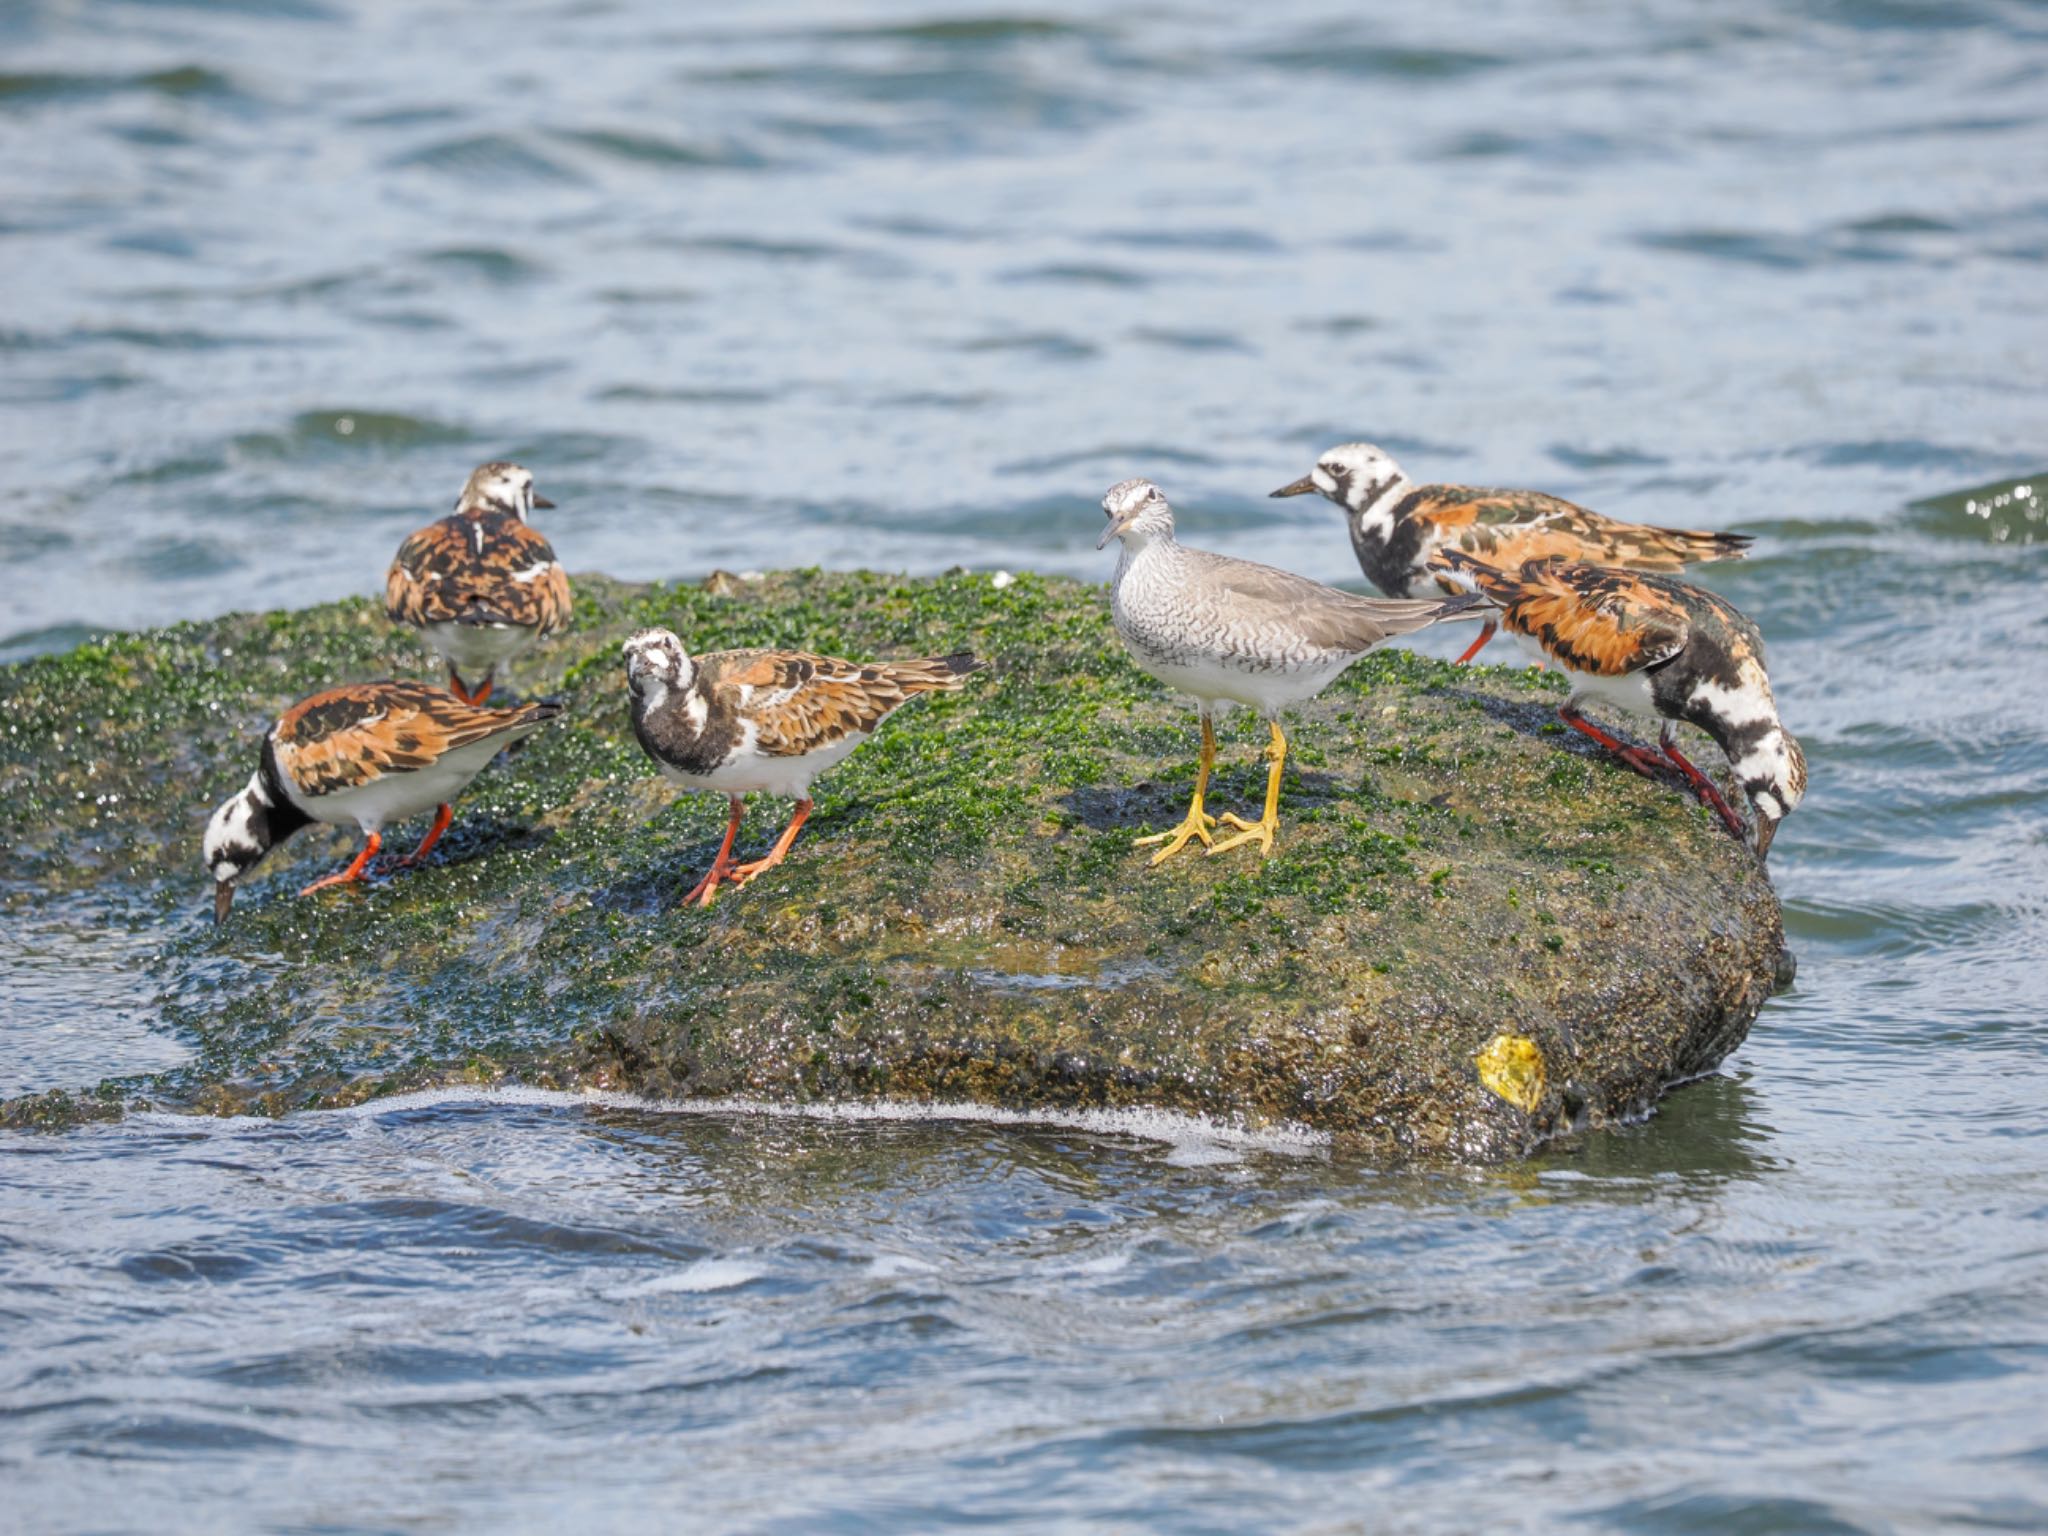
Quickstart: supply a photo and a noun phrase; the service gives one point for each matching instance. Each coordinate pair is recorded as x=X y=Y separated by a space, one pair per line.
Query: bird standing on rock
x=368 y=754
x=1227 y=631
x=1399 y=530
x=763 y=720
x=1662 y=648
x=481 y=585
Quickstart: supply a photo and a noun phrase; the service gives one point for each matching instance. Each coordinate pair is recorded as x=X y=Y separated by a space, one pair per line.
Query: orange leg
x=483 y=694
x=702 y=892
x=353 y=872
x=1643 y=761
x=443 y=814
x=779 y=852
x=1702 y=785
x=1486 y=633
x=456 y=685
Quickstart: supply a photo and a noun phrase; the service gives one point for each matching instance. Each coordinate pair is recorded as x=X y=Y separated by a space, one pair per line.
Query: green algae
x=964 y=918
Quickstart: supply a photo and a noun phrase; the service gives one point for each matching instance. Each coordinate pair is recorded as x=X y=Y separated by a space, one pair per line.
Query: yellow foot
x=1260 y=831
x=1197 y=825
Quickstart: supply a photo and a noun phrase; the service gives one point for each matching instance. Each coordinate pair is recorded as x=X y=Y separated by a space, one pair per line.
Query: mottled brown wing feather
x=799 y=702
x=471 y=568
x=350 y=736
x=1591 y=618
x=1508 y=528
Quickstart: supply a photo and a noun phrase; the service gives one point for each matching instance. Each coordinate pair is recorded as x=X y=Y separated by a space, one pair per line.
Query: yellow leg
x=1264 y=828
x=1198 y=820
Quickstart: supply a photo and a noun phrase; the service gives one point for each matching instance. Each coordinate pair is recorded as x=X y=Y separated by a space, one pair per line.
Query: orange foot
x=745 y=872
x=443 y=814
x=1486 y=633
x=355 y=870
x=704 y=890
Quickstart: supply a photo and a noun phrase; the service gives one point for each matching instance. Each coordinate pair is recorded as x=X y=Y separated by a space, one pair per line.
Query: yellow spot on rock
x=1512 y=1066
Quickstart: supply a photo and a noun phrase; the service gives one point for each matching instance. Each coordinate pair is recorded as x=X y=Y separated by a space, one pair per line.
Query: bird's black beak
x=1299 y=487
x=542 y=501
x=223 y=898
x=1766 y=829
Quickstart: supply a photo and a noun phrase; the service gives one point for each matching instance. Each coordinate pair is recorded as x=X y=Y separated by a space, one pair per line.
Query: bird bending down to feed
x=1400 y=530
x=1229 y=632
x=1664 y=649
x=763 y=720
x=480 y=585
x=366 y=754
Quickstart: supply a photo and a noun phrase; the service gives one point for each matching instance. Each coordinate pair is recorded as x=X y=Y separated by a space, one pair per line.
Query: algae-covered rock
x=964 y=918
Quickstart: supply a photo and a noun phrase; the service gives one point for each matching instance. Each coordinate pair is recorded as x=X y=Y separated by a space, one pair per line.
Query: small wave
x=1231 y=240
x=488 y=158
x=1383 y=61
x=2003 y=512
x=315 y=431
x=694 y=1279
x=1151 y=1125
x=1079 y=275
x=652 y=150
x=183 y=80
x=1108 y=455
x=1048 y=345
x=487 y=262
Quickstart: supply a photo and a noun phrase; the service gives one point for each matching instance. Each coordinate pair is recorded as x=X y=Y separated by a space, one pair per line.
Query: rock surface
x=1460 y=893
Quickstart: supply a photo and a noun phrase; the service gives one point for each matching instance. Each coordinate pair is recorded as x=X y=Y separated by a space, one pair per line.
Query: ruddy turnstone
x=1229 y=632
x=765 y=720
x=1662 y=648
x=481 y=585
x=1398 y=529
x=367 y=753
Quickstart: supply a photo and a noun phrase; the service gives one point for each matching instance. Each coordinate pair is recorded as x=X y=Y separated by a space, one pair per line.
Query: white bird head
x=1137 y=512
x=500 y=487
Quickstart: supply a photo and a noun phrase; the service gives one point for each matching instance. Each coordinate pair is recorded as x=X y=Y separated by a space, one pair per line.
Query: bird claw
x=1259 y=831
x=1196 y=825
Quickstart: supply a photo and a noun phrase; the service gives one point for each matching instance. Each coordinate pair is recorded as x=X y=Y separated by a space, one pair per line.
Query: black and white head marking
x=500 y=487
x=1773 y=775
x=238 y=836
x=1737 y=709
x=243 y=829
x=1362 y=479
x=657 y=665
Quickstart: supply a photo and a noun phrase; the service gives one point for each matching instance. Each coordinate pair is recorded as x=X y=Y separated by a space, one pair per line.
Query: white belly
x=1629 y=693
x=1267 y=692
x=400 y=796
x=746 y=774
x=474 y=650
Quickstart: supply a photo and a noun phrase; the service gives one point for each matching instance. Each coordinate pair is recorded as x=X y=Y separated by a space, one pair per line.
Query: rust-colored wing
x=491 y=568
x=1508 y=528
x=1591 y=618
x=799 y=703
x=354 y=735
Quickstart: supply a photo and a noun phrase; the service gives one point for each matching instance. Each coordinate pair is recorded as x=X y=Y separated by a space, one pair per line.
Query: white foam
x=1193 y=1136
x=886 y=1266
x=704 y=1275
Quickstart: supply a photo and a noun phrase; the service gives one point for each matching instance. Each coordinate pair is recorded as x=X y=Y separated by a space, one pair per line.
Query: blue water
x=908 y=286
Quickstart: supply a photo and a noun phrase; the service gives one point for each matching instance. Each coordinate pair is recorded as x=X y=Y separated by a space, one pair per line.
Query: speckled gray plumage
x=1224 y=629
